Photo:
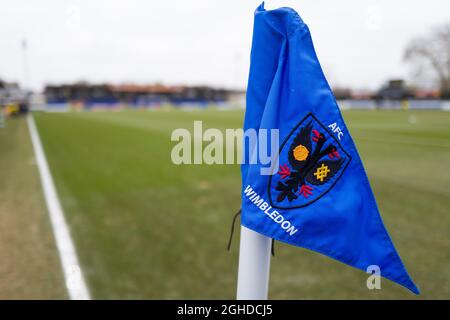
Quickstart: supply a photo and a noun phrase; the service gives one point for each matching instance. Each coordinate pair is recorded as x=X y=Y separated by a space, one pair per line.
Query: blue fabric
x=330 y=210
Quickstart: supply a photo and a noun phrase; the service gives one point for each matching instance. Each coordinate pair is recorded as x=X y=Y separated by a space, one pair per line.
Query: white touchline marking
x=76 y=286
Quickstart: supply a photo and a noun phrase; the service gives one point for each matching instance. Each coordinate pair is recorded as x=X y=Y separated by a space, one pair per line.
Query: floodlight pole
x=254 y=266
x=26 y=72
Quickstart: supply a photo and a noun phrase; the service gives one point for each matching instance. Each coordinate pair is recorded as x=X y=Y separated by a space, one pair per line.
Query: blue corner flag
x=318 y=196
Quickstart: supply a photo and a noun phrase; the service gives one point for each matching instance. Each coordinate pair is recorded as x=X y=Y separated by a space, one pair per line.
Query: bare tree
x=433 y=53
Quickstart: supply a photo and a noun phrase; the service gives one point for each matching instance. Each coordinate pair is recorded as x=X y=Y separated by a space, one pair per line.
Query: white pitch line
x=76 y=286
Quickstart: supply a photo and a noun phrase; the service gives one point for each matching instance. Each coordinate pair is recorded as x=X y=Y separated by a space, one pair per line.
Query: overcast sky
x=359 y=43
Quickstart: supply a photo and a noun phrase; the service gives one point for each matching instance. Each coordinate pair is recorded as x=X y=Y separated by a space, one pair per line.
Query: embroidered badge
x=311 y=162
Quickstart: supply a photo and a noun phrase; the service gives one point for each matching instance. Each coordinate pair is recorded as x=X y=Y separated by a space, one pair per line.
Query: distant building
x=342 y=93
x=13 y=98
x=134 y=94
x=79 y=92
x=394 y=90
x=427 y=94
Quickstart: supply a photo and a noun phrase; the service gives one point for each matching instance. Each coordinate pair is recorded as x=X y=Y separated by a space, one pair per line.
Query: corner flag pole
x=254 y=266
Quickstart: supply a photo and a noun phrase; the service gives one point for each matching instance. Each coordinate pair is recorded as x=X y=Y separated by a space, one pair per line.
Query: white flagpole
x=254 y=266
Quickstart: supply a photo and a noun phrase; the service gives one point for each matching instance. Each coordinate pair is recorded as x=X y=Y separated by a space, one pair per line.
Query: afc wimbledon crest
x=311 y=162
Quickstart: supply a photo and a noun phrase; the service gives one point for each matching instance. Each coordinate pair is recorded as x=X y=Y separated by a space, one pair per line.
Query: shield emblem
x=311 y=161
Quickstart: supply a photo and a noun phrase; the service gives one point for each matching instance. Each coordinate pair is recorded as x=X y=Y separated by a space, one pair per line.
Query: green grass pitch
x=145 y=228
x=29 y=262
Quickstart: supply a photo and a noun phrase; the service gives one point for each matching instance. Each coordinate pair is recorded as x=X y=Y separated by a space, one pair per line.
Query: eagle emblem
x=311 y=160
